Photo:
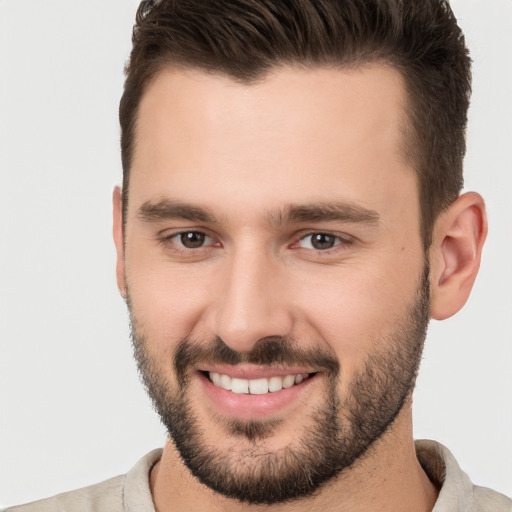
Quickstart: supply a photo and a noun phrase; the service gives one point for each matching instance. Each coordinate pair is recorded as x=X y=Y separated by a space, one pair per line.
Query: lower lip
x=247 y=406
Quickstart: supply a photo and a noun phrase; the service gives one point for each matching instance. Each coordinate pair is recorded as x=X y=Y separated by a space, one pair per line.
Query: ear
x=458 y=238
x=118 y=233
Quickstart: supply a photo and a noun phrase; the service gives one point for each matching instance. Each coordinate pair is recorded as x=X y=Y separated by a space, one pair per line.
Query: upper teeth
x=255 y=386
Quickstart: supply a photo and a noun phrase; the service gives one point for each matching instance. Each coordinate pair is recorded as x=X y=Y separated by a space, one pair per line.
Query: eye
x=319 y=241
x=191 y=239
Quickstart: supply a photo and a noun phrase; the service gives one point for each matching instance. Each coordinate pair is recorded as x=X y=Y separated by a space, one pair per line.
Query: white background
x=72 y=411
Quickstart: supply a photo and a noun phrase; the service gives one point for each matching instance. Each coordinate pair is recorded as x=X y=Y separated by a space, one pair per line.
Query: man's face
x=274 y=269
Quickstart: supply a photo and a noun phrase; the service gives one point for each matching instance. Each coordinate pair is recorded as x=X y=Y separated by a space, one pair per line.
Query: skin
x=243 y=153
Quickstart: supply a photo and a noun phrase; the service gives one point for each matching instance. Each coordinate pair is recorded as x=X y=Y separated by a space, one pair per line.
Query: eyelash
x=168 y=241
x=338 y=241
x=179 y=248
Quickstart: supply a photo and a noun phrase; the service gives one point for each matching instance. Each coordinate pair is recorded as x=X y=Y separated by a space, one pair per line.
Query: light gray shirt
x=131 y=492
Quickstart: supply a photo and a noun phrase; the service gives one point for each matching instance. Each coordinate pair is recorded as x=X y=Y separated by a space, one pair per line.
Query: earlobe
x=118 y=232
x=455 y=254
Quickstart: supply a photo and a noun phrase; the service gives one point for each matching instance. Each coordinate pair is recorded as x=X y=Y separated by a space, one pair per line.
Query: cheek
x=167 y=303
x=353 y=311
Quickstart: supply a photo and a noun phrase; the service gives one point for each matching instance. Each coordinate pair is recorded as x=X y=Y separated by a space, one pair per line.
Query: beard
x=340 y=431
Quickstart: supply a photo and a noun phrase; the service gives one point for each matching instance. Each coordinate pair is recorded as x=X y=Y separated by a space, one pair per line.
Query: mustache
x=269 y=351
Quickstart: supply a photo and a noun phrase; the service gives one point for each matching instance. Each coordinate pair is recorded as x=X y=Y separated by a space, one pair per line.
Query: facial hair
x=339 y=431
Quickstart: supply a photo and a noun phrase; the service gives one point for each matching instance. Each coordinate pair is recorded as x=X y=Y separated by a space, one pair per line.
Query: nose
x=251 y=302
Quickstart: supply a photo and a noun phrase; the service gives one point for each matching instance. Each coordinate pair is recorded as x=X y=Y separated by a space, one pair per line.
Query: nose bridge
x=250 y=306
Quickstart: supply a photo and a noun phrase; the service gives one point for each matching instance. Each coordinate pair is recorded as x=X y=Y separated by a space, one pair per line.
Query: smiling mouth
x=256 y=386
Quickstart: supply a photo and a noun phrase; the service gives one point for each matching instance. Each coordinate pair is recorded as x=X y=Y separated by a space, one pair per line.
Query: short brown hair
x=244 y=39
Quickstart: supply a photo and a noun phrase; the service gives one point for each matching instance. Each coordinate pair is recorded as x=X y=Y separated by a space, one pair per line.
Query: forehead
x=316 y=132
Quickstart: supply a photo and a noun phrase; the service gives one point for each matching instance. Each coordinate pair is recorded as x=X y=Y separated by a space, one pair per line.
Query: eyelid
x=178 y=235
x=169 y=238
x=342 y=239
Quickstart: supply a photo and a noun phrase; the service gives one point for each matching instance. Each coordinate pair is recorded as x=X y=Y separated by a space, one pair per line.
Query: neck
x=387 y=478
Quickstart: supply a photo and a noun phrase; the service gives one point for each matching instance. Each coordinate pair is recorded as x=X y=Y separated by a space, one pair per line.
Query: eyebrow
x=168 y=209
x=324 y=212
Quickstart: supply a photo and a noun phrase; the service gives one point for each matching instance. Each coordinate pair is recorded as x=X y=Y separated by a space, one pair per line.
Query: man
x=289 y=221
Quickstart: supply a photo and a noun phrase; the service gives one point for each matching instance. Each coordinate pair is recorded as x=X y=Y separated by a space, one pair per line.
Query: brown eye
x=192 y=239
x=320 y=241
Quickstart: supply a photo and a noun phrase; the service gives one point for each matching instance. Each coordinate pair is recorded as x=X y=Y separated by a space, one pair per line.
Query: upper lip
x=250 y=372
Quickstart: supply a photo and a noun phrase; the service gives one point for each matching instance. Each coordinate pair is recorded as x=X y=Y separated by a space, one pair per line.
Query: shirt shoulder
x=487 y=500
x=457 y=492
x=124 y=493
x=107 y=495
